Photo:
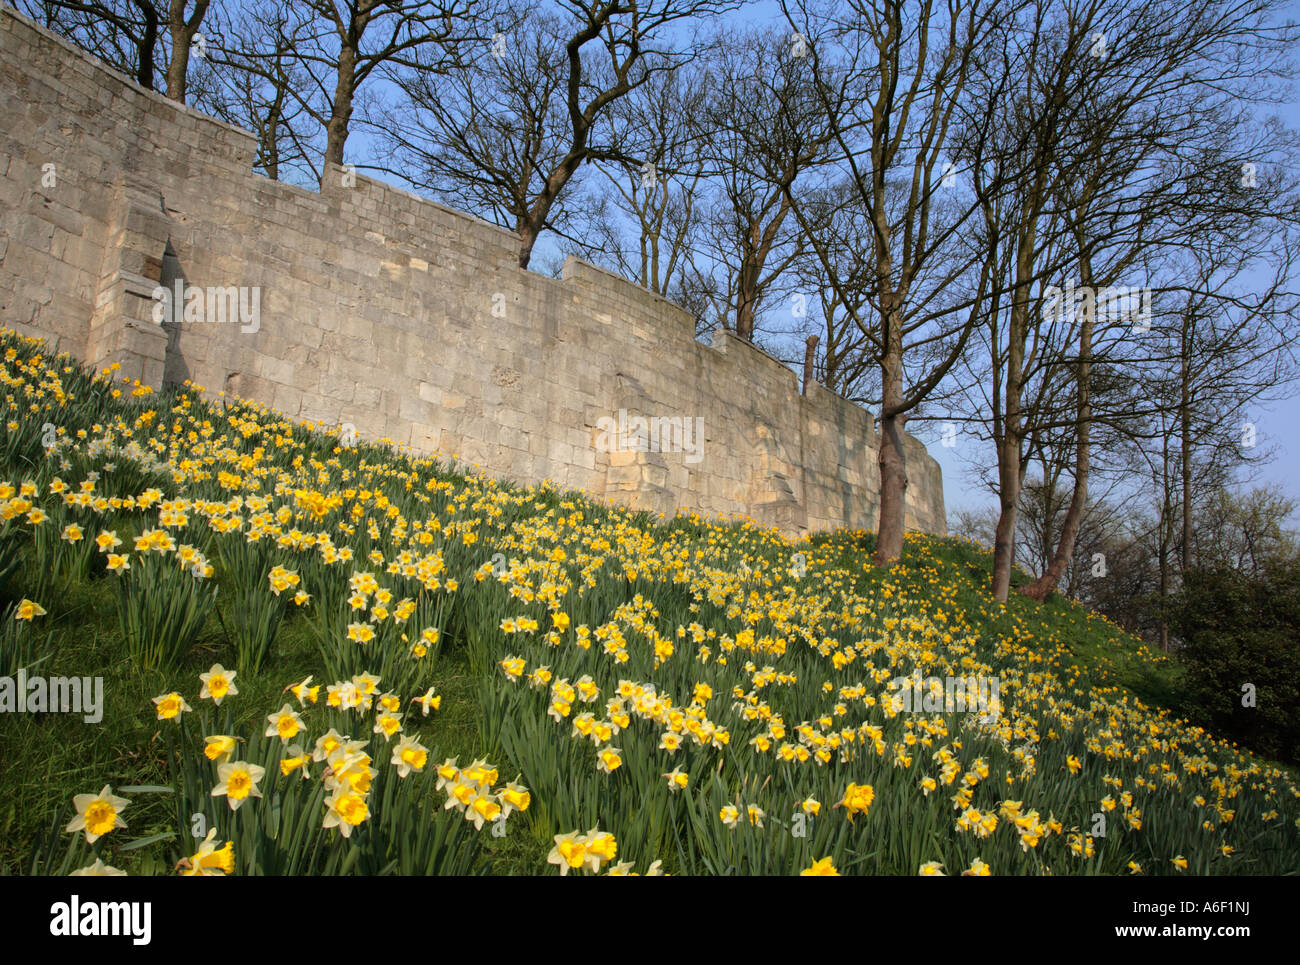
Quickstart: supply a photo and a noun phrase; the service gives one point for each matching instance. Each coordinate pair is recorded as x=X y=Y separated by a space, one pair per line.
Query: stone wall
x=404 y=318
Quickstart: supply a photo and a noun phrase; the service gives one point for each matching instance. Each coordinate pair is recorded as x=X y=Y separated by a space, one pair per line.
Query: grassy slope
x=48 y=759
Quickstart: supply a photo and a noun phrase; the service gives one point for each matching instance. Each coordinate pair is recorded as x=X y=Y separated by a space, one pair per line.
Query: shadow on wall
x=176 y=370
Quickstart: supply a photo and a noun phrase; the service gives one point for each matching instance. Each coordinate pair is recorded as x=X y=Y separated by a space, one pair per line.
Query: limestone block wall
x=405 y=318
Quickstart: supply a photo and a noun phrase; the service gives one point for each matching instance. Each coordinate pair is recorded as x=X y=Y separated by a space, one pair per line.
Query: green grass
x=52 y=757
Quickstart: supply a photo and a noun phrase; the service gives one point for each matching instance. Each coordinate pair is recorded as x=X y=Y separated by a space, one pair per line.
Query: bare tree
x=506 y=136
x=890 y=76
x=646 y=223
x=252 y=78
x=128 y=35
x=1120 y=163
x=766 y=129
x=352 y=39
x=182 y=30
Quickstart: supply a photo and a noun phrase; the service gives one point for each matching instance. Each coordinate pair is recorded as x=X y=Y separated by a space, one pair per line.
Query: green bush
x=1240 y=629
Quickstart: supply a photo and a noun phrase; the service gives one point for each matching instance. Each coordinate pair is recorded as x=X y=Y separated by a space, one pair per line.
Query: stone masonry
x=403 y=318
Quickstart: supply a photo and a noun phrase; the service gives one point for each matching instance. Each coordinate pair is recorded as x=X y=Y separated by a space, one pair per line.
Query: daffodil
x=857 y=799
x=218 y=748
x=297 y=760
x=27 y=610
x=483 y=809
x=345 y=810
x=366 y=683
x=350 y=768
x=427 y=701
x=388 y=724
x=171 y=706
x=327 y=744
x=609 y=759
x=284 y=724
x=480 y=773
x=238 y=782
x=409 y=755
x=820 y=869
x=97 y=870
x=570 y=852
x=601 y=848
x=98 y=814
x=209 y=861
x=677 y=779
x=448 y=773
x=218 y=684
x=304 y=692
x=361 y=632
x=514 y=797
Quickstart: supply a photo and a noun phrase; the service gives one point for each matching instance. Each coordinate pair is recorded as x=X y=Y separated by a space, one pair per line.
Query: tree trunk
x=1164 y=580
x=1004 y=542
x=745 y=298
x=809 y=357
x=180 y=62
x=760 y=243
x=144 y=49
x=1009 y=468
x=182 y=34
x=529 y=226
x=341 y=111
x=1045 y=584
x=1166 y=538
x=892 y=456
x=1185 y=430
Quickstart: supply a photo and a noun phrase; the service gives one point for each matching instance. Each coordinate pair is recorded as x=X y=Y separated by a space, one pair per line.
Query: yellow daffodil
x=27 y=610
x=857 y=799
x=237 y=780
x=208 y=861
x=345 y=810
x=171 y=706
x=218 y=748
x=218 y=684
x=427 y=702
x=820 y=869
x=409 y=755
x=284 y=724
x=570 y=852
x=98 y=814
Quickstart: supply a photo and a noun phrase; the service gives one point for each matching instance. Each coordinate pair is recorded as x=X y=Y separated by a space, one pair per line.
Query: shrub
x=1241 y=630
